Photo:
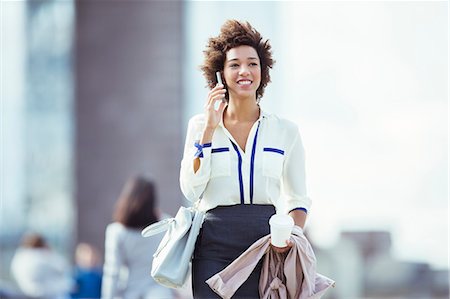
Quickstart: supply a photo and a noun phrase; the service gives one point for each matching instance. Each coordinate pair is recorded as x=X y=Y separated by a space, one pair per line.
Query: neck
x=242 y=110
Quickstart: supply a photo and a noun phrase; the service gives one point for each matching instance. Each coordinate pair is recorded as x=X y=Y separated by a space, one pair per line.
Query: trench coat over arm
x=283 y=276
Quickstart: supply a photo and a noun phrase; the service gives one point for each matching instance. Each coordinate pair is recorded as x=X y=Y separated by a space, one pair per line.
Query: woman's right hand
x=213 y=116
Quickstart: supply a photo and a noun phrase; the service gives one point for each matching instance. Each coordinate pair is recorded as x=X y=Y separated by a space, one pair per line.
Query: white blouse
x=128 y=261
x=271 y=170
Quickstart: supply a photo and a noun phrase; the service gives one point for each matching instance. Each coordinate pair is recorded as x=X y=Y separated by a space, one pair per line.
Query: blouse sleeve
x=194 y=183
x=293 y=179
x=113 y=263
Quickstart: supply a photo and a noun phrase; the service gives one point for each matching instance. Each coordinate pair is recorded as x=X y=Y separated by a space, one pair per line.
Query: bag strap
x=158 y=227
x=163 y=225
x=196 y=204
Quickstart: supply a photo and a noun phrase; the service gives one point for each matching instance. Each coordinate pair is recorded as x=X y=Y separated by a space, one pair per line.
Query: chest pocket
x=220 y=162
x=273 y=159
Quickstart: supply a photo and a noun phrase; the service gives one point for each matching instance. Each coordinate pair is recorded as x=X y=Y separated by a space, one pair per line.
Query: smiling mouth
x=244 y=82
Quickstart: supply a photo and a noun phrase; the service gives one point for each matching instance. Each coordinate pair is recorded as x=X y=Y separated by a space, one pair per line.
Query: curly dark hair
x=234 y=34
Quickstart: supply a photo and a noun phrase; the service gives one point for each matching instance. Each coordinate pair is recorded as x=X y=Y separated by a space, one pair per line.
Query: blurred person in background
x=128 y=255
x=39 y=271
x=88 y=273
x=242 y=162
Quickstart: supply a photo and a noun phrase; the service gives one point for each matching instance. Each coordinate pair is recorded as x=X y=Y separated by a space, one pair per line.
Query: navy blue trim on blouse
x=252 y=164
x=273 y=150
x=200 y=147
x=220 y=149
x=241 y=183
x=301 y=209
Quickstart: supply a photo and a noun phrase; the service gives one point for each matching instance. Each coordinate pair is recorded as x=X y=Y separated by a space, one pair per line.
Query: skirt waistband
x=240 y=210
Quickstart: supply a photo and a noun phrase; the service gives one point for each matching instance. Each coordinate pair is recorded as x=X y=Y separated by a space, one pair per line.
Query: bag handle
x=163 y=225
x=156 y=228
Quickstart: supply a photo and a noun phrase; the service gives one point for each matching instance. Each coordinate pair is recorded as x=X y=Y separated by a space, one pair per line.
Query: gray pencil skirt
x=226 y=233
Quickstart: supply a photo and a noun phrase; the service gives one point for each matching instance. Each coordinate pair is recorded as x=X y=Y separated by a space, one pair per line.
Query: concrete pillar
x=128 y=105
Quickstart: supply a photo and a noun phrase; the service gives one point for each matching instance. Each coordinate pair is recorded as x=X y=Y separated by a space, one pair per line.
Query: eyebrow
x=248 y=58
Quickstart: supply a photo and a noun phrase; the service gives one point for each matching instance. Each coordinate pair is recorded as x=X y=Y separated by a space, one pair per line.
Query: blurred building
x=363 y=267
x=95 y=97
x=37 y=178
x=128 y=105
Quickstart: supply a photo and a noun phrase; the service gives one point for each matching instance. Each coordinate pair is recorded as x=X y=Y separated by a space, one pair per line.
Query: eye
x=253 y=64
x=234 y=65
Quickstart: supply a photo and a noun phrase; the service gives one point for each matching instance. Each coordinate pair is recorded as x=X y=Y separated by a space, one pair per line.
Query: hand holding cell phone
x=215 y=105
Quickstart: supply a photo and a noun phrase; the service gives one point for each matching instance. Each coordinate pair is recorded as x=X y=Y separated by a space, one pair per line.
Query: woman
x=243 y=163
x=39 y=271
x=128 y=256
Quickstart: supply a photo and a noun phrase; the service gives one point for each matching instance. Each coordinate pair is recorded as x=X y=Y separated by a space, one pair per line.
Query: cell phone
x=219 y=81
x=219 y=78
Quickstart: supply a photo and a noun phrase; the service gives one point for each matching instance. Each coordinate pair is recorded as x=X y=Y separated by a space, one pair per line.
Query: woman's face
x=242 y=71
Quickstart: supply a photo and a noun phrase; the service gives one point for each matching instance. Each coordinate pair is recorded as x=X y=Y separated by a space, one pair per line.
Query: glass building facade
x=37 y=124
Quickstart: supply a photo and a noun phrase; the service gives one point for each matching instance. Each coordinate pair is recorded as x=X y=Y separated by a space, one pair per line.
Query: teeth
x=244 y=82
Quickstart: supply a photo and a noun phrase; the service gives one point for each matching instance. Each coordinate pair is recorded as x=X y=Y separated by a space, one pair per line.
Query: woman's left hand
x=289 y=245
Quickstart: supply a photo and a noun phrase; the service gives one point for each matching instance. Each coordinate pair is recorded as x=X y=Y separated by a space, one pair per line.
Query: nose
x=243 y=71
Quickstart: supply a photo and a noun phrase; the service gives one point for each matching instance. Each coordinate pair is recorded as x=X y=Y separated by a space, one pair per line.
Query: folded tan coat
x=283 y=276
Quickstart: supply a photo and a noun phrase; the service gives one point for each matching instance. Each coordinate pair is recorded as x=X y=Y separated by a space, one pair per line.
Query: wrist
x=209 y=129
x=207 y=135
